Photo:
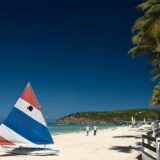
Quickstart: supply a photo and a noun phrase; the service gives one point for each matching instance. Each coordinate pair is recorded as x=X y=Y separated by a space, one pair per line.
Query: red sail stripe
x=3 y=141
x=28 y=95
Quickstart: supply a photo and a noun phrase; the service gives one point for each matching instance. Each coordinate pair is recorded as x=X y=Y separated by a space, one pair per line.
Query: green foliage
x=146 y=31
x=156 y=73
x=146 y=39
x=155 y=96
x=119 y=115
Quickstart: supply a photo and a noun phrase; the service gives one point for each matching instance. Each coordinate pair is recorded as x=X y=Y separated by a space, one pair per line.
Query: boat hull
x=45 y=152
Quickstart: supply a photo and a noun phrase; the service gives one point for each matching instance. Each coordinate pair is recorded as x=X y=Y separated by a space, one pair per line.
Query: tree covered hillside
x=107 y=117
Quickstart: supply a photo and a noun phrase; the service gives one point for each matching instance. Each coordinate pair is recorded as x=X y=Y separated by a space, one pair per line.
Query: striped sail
x=25 y=124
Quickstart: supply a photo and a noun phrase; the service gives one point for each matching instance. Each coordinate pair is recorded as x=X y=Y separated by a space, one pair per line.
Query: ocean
x=67 y=128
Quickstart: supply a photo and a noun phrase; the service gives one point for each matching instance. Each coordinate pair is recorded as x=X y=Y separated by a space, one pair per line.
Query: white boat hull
x=45 y=152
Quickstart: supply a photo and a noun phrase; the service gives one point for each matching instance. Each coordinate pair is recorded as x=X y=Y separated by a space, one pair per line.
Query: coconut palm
x=146 y=31
x=146 y=39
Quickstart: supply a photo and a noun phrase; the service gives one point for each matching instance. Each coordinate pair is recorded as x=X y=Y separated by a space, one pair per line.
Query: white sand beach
x=121 y=143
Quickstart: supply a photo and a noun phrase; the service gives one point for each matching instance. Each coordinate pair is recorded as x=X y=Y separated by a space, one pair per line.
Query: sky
x=74 y=53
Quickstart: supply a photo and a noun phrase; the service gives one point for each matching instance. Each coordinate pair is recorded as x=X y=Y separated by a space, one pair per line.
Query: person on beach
x=94 y=130
x=87 y=130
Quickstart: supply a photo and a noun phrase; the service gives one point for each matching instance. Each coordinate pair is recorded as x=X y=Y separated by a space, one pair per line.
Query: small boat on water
x=25 y=129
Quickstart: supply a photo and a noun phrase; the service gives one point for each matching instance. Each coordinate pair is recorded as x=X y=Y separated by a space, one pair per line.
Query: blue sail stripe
x=27 y=127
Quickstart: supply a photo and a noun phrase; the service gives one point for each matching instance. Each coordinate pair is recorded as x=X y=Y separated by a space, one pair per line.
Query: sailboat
x=25 y=130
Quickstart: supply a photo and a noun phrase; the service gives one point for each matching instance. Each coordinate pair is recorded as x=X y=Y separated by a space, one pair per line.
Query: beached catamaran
x=25 y=127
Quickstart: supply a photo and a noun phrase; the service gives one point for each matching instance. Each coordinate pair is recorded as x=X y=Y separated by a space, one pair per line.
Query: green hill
x=109 y=117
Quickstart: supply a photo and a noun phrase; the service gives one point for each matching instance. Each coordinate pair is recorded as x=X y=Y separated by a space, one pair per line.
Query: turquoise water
x=67 y=128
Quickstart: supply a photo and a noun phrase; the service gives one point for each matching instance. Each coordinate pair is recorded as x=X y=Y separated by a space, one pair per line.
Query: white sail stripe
x=12 y=136
x=35 y=114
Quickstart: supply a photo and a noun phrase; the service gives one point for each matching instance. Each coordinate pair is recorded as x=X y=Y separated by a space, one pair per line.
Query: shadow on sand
x=125 y=149
x=127 y=136
x=139 y=157
x=14 y=154
x=128 y=149
x=8 y=155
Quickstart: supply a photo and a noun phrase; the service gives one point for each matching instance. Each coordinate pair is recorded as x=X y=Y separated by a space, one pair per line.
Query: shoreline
x=76 y=128
x=81 y=131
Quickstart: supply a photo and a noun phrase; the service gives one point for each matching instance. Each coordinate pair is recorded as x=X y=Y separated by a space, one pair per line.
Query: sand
x=121 y=143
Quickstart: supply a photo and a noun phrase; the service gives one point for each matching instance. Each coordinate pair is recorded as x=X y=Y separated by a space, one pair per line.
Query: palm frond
x=142 y=23
x=139 y=50
x=147 y=4
x=155 y=100
x=154 y=29
x=158 y=48
x=153 y=11
x=155 y=77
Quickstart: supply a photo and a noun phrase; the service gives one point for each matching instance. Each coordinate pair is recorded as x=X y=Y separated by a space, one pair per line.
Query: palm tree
x=155 y=100
x=146 y=38
x=147 y=31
